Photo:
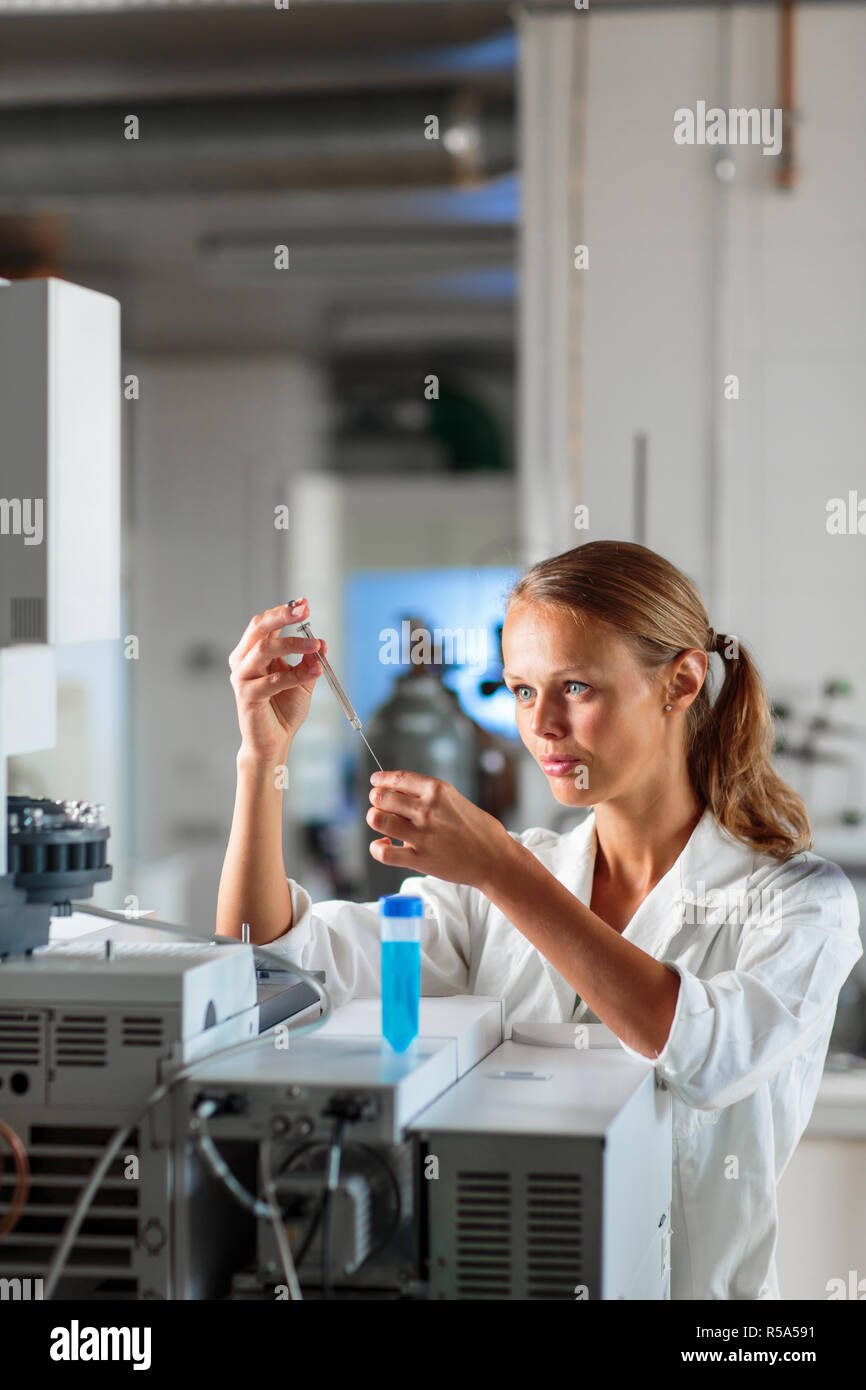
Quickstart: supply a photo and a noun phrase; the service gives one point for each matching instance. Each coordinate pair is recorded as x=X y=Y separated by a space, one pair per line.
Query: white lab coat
x=760 y=969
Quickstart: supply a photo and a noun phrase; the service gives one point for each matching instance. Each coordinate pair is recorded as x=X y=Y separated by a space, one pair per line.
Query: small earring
x=667 y=706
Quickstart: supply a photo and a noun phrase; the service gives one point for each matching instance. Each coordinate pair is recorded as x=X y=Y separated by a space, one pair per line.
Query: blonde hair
x=659 y=613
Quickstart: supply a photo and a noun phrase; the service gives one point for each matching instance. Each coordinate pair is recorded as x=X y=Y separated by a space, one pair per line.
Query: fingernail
x=375 y=777
x=296 y=605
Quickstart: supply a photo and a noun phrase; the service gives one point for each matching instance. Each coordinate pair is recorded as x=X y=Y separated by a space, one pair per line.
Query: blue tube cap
x=401 y=905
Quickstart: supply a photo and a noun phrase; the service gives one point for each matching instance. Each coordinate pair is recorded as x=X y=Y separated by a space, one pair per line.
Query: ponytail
x=730 y=747
x=657 y=610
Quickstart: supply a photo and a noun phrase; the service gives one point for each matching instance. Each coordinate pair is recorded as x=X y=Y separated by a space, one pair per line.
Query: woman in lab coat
x=685 y=912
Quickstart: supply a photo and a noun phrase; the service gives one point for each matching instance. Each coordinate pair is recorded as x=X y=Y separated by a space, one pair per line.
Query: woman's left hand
x=443 y=834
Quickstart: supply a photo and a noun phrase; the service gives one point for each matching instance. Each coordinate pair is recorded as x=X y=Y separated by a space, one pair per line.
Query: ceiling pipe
x=293 y=144
x=787 y=173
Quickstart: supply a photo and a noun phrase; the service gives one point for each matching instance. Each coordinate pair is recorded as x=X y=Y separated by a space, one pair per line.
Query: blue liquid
x=401 y=990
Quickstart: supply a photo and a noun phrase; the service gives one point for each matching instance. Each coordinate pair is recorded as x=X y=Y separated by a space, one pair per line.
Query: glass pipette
x=342 y=697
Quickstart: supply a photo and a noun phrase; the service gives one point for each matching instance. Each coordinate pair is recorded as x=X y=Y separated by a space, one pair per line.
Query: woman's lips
x=559 y=767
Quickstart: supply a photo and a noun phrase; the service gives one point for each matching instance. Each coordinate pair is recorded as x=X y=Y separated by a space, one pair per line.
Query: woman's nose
x=547 y=720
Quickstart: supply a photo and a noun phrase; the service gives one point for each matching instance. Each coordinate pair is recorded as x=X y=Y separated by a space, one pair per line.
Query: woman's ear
x=686 y=677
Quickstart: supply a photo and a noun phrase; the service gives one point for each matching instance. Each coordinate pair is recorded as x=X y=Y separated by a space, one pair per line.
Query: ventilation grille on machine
x=141 y=1031
x=483 y=1235
x=61 y=1160
x=81 y=1040
x=554 y=1235
x=549 y=1225
x=20 y=1039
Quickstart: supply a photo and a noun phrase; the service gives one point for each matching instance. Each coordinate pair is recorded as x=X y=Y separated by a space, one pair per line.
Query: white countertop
x=840 y=1106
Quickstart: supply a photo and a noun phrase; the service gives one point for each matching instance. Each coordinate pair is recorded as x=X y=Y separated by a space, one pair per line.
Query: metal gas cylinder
x=422 y=728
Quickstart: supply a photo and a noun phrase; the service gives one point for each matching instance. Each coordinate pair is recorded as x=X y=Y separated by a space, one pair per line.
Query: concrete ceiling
x=259 y=128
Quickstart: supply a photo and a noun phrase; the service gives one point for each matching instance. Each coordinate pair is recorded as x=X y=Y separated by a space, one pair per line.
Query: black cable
x=312 y=1229
x=330 y=1186
x=317 y=1215
x=327 y=1291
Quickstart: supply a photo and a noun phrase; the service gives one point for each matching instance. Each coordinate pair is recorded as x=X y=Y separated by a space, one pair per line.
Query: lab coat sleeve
x=343 y=939
x=736 y=1029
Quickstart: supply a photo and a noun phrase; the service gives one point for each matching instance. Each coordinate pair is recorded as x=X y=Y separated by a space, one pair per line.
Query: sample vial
x=400 y=917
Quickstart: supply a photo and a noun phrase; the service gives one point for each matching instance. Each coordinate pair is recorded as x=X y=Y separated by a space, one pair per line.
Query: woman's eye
x=571 y=686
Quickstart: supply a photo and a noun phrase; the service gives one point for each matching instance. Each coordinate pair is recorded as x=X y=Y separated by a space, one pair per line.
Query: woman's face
x=588 y=713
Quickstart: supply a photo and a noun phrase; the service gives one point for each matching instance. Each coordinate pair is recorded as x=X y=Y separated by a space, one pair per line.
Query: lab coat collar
x=710 y=856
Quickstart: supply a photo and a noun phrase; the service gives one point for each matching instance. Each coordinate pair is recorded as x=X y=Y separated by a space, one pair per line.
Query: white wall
x=790 y=320
x=822 y=1217
x=213 y=441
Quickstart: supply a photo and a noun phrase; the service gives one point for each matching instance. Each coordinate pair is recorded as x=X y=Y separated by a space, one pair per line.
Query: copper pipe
x=787 y=173
x=22 y=1181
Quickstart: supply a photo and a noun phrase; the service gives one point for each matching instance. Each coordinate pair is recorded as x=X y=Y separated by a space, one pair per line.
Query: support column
x=553 y=90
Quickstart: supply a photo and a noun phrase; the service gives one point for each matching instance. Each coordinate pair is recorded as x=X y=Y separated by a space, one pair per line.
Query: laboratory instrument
x=524 y=1138
x=342 y=698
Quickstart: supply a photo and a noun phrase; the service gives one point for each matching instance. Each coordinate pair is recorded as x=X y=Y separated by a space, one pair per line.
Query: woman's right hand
x=273 y=699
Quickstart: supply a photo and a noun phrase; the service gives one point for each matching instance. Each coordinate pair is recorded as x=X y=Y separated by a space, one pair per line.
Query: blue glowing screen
x=463 y=606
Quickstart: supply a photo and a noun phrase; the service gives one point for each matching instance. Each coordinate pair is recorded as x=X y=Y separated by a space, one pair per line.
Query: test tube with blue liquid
x=400 y=918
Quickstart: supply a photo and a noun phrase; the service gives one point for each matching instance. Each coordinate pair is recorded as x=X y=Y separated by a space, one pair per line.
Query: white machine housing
x=60 y=393
x=60 y=519
x=286 y=1093
x=552 y=1169
x=85 y=1038
x=77 y=1024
